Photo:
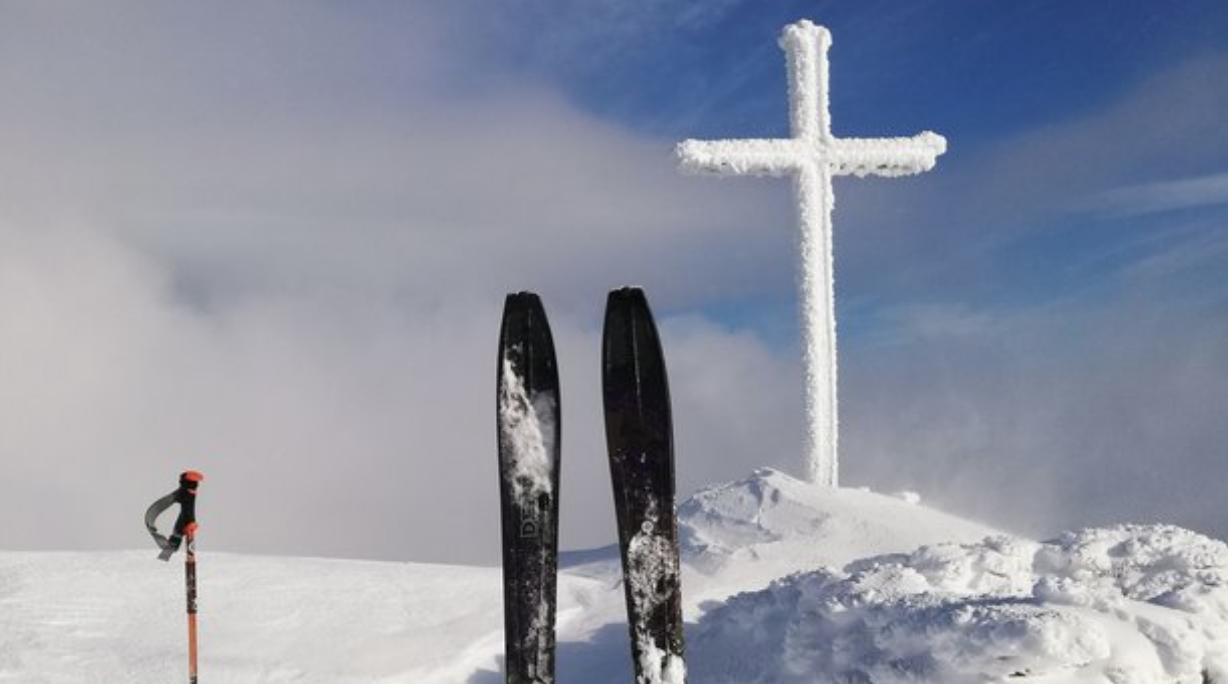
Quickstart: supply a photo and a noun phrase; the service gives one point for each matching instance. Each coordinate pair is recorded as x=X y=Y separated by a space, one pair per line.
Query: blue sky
x=271 y=242
x=985 y=74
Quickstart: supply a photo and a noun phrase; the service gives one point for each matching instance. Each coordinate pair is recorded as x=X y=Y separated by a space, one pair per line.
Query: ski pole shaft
x=190 y=572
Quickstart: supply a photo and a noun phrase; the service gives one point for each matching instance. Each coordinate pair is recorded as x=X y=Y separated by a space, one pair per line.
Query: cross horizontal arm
x=755 y=157
x=885 y=156
x=784 y=156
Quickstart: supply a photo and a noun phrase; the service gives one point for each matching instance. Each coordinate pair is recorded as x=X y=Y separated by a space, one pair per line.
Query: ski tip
x=523 y=298
x=631 y=346
x=627 y=302
x=521 y=307
x=525 y=340
x=628 y=292
x=518 y=310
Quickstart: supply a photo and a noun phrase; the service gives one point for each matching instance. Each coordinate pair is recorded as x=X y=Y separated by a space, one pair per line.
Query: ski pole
x=189 y=567
x=184 y=529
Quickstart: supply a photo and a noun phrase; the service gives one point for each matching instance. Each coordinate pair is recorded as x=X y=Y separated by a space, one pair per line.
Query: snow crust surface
x=783 y=583
x=1125 y=604
x=651 y=557
x=528 y=424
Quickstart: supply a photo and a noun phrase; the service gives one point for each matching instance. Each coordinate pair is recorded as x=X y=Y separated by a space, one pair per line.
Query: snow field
x=783 y=583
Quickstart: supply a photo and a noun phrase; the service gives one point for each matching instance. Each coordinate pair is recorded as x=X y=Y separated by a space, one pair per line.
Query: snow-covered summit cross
x=812 y=156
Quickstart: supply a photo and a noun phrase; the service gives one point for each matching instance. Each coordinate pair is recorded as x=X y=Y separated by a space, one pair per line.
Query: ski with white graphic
x=639 y=435
x=529 y=431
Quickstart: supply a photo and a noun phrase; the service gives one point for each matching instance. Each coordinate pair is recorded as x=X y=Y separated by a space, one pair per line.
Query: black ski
x=639 y=435
x=528 y=426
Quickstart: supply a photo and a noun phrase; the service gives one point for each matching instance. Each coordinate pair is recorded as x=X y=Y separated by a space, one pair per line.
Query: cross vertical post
x=811 y=156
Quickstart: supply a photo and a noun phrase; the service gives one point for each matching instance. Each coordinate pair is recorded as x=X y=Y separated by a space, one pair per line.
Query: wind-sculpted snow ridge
x=1124 y=605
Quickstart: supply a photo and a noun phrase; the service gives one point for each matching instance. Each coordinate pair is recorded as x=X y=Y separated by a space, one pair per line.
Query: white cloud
x=364 y=430
x=1054 y=419
x=1164 y=196
x=344 y=171
x=936 y=322
x=274 y=247
x=566 y=36
x=271 y=244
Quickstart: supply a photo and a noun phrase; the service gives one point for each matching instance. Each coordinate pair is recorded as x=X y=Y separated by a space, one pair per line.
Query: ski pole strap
x=185 y=496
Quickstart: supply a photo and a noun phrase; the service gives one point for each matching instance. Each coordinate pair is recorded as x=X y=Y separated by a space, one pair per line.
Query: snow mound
x=1127 y=604
x=770 y=525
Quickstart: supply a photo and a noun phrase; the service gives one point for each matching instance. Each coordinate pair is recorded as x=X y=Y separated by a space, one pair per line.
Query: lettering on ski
x=529 y=426
x=639 y=435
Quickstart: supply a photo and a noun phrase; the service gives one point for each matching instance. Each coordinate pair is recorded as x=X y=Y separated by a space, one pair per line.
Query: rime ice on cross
x=812 y=156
